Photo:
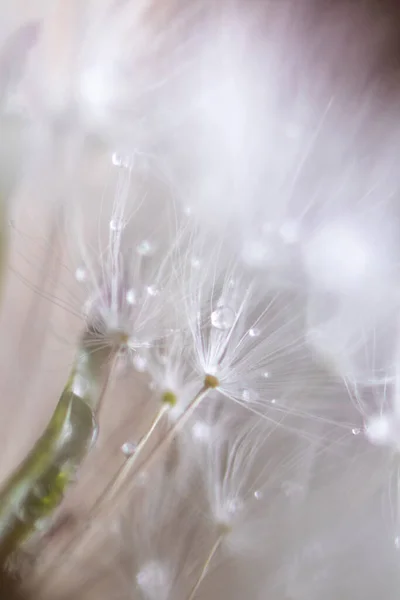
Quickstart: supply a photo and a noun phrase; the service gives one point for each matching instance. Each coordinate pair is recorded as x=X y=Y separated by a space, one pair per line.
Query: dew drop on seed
x=116 y=225
x=254 y=332
x=139 y=363
x=356 y=431
x=128 y=449
x=131 y=297
x=258 y=495
x=223 y=318
x=246 y=396
x=145 y=248
x=196 y=263
x=119 y=160
x=80 y=274
x=152 y=290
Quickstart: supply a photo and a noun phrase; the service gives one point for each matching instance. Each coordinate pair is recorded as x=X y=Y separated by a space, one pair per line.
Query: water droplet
x=139 y=363
x=273 y=401
x=266 y=375
x=223 y=317
x=397 y=542
x=258 y=494
x=356 y=431
x=201 y=431
x=80 y=274
x=116 y=225
x=254 y=332
x=196 y=263
x=188 y=210
x=233 y=506
x=131 y=297
x=128 y=449
x=120 y=160
x=152 y=290
x=145 y=248
x=246 y=396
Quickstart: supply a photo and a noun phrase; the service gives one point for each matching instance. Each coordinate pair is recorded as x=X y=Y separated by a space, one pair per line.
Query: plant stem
x=205 y=567
x=118 y=480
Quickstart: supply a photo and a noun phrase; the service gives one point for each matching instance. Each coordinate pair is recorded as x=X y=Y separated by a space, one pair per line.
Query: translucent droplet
x=128 y=449
x=258 y=494
x=116 y=224
x=233 y=506
x=139 y=363
x=254 y=332
x=131 y=297
x=273 y=401
x=246 y=395
x=266 y=374
x=356 y=431
x=201 y=431
x=145 y=248
x=152 y=290
x=397 y=542
x=188 y=210
x=223 y=317
x=80 y=274
x=120 y=160
x=196 y=263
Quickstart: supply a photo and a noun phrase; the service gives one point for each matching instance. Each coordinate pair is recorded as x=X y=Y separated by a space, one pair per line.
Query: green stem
x=37 y=486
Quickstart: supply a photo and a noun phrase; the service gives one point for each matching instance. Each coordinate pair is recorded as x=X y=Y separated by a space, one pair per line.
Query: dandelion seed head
x=169 y=397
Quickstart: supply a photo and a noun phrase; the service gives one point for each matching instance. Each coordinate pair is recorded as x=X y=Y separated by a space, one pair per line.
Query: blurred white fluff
x=252 y=237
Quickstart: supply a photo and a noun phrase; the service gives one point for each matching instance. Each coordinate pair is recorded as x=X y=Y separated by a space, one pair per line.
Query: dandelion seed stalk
x=168 y=400
x=206 y=566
